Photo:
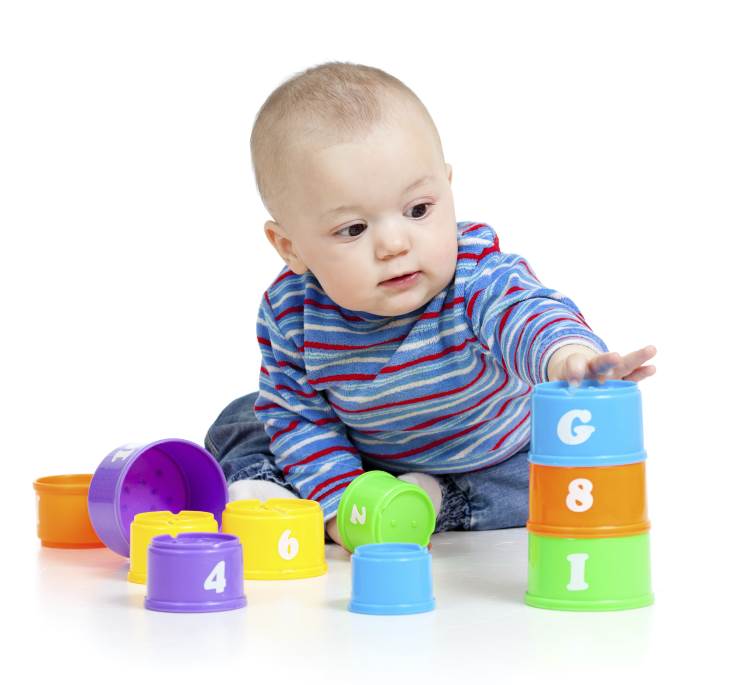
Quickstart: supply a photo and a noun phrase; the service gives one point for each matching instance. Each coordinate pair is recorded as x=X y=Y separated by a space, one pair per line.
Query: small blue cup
x=593 y=424
x=392 y=578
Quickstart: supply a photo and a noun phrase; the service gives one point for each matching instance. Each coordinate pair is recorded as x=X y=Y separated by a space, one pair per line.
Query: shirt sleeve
x=308 y=440
x=519 y=320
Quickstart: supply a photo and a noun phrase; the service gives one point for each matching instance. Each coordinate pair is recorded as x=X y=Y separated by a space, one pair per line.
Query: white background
x=605 y=143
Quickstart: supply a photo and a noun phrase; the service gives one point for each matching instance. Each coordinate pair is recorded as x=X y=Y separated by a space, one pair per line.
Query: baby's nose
x=392 y=242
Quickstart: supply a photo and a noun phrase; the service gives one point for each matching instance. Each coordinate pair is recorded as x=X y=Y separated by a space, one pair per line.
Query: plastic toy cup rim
x=388 y=551
x=288 y=508
x=72 y=484
x=590 y=388
x=639 y=602
x=194 y=541
x=146 y=519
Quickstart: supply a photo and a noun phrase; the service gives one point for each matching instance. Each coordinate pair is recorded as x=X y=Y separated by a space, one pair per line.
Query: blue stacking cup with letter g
x=593 y=424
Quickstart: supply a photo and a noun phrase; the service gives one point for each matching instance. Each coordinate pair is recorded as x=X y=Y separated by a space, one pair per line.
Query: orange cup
x=62 y=512
x=587 y=502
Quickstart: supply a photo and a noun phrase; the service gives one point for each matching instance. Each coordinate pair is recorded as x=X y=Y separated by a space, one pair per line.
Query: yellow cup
x=148 y=524
x=281 y=538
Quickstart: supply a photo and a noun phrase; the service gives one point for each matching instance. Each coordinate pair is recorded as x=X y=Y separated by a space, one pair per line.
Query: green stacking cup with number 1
x=377 y=507
x=589 y=574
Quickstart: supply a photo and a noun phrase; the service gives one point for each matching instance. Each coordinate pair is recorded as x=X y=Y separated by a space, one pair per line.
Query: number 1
x=577 y=572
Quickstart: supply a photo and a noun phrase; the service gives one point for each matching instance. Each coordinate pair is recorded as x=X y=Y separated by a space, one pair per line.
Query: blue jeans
x=495 y=497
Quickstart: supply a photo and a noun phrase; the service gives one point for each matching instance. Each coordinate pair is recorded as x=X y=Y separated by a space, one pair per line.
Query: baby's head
x=349 y=164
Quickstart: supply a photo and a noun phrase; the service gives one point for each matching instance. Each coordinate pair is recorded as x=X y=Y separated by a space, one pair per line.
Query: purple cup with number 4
x=167 y=475
x=195 y=572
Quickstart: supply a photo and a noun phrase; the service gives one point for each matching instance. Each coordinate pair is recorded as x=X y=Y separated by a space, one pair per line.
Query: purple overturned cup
x=167 y=475
x=195 y=572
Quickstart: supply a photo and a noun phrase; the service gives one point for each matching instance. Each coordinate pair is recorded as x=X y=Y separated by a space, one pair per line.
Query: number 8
x=579 y=496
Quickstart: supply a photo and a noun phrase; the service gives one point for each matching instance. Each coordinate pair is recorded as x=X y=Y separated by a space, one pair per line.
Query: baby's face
x=372 y=219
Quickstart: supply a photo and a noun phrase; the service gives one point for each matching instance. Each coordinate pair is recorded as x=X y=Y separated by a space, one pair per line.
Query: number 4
x=216 y=579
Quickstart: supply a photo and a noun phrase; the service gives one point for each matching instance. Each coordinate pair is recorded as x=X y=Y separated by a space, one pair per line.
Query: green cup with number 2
x=377 y=507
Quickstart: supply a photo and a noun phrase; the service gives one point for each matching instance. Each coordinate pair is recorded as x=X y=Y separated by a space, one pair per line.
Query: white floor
x=81 y=619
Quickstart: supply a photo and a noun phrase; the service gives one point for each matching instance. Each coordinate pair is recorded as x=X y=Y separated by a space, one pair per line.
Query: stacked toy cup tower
x=588 y=530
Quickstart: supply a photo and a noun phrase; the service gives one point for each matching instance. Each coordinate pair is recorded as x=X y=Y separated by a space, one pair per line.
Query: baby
x=395 y=338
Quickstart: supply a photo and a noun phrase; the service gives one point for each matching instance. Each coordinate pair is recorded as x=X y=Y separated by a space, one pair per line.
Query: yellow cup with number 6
x=282 y=538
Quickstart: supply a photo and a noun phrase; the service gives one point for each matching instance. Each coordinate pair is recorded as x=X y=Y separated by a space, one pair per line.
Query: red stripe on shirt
x=472 y=302
x=328 y=346
x=510 y=432
x=447 y=305
x=473 y=228
x=282 y=431
x=495 y=247
x=332 y=307
x=429 y=357
x=289 y=310
x=283 y=276
x=318 y=455
x=329 y=481
x=296 y=391
x=343 y=377
x=333 y=490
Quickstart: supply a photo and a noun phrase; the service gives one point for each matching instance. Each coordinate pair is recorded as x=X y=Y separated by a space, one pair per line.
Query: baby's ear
x=282 y=243
x=449 y=171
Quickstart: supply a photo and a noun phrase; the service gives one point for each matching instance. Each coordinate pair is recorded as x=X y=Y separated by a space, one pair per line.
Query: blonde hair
x=336 y=100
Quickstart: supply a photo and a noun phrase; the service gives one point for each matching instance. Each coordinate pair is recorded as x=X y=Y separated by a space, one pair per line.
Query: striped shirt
x=442 y=389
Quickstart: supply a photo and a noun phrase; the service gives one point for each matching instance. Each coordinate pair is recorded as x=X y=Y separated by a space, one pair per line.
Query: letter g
x=574 y=435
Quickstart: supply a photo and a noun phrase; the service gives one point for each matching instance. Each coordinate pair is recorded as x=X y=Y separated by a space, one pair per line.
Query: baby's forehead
x=306 y=140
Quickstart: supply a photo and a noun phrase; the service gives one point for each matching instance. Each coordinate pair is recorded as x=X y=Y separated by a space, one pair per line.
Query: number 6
x=287 y=547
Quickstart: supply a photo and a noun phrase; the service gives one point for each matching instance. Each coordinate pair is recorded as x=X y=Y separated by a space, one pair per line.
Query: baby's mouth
x=404 y=279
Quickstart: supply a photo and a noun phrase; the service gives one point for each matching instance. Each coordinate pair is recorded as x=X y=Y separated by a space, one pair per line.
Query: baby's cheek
x=446 y=254
x=342 y=285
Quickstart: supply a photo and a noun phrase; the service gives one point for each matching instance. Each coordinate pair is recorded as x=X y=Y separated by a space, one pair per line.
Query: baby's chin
x=393 y=307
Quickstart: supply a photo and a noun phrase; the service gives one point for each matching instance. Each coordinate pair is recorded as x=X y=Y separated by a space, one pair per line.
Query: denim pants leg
x=496 y=497
x=240 y=444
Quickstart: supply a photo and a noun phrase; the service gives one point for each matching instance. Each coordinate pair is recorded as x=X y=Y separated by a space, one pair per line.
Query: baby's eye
x=418 y=211
x=351 y=231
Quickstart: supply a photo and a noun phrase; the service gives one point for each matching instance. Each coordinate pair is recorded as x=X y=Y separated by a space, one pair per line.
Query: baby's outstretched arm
x=573 y=363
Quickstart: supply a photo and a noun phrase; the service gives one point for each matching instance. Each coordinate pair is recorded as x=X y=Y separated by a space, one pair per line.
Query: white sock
x=429 y=484
x=257 y=489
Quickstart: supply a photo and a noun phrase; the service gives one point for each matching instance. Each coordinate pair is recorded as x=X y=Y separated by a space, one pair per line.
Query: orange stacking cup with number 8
x=588 y=502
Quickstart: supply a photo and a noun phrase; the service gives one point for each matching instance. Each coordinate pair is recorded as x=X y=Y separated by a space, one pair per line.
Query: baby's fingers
x=634 y=360
x=641 y=373
x=576 y=367
x=604 y=364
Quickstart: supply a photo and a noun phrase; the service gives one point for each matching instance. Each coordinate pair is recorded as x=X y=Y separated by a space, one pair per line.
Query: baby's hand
x=573 y=363
x=333 y=532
